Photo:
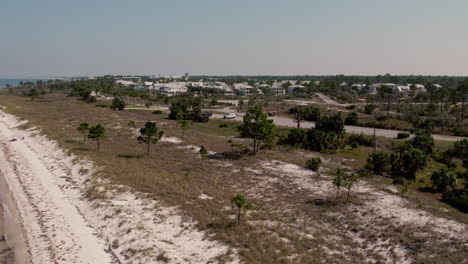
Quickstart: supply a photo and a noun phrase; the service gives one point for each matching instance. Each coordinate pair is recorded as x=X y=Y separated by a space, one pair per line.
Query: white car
x=230 y=116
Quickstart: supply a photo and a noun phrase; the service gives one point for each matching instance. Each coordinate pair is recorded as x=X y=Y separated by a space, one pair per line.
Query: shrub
x=296 y=137
x=403 y=135
x=351 y=119
x=442 y=179
x=460 y=149
x=457 y=199
x=350 y=107
x=359 y=140
x=118 y=104
x=313 y=163
x=157 y=112
x=91 y=99
x=223 y=125
x=378 y=162
x=368 y=109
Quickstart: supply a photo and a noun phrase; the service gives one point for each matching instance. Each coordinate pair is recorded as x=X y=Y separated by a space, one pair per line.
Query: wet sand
x=12 y=242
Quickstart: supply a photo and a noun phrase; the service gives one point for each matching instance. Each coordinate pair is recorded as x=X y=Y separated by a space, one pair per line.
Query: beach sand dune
x=55 y=230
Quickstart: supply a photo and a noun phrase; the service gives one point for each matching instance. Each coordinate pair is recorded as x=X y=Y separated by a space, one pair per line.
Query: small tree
x=442 y=179
x=338 y=181
x=184 y=125
x=241 y=205
x=97 y=133
x=241 y=105
x=83 y=128
x=298 y=114
x=203 y=154
x=118 y=104
x=349 y=181
x=150 y=134
x=257 y=126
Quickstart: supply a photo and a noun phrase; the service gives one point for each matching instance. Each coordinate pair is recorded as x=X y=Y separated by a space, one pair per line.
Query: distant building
x=171 y=89
x=243 y=89
x=293 y=88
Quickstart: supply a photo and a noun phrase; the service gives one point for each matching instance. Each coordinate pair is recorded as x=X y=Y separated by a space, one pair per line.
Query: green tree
x=423 y=141
x=97 y=133
x=339 y=181
x=241 y=105
x=241 y=205
x=442 y=179
x=150 y=134
x=184 y=125
x=83 y=128
x=203 y=154
x=298 y=114
x=386 y=93
x=257 y=126
x=349 y=181
x=118 y=104
x=412 y=160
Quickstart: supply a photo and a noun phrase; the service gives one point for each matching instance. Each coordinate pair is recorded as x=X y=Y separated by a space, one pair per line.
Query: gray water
x=15 y=82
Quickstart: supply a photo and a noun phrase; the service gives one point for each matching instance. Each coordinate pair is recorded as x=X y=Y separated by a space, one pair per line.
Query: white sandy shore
x=62 y=226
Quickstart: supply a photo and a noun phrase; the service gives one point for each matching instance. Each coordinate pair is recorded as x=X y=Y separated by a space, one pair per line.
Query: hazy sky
x=95 y=37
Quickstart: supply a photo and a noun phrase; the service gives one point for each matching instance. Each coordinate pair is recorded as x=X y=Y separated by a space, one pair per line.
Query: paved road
x=288 y=122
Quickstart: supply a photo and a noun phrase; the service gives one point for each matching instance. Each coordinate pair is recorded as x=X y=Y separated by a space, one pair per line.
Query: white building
x=172 y=88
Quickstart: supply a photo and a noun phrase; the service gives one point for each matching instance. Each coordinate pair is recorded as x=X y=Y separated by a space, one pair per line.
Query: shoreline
x=12 y=242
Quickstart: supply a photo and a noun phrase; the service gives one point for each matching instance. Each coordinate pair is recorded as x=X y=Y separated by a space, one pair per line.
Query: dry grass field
x=295 y=217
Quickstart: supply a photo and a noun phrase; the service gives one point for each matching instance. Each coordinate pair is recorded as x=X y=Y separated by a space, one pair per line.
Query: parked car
x=208 y=113
x=230 y=116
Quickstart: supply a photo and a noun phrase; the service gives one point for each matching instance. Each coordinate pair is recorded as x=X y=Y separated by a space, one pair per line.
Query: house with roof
x=243 y=89
x=295 y=87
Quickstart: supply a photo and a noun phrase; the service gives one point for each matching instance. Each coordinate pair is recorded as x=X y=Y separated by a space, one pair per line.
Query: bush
x=224 y=125
x=403 y=135
x=118 y=104
x=355 y=140
x=296 y=137
x=378 y=162
x=443 y=179
x=350 y=107
x=351 y=119
x=313 y=163
x=368 y=109
x=157 y=112
x=457 y=199
x=398 y=181
x=91 y=99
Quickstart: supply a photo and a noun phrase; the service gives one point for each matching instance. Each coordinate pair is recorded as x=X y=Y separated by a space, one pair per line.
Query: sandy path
x=55 y=229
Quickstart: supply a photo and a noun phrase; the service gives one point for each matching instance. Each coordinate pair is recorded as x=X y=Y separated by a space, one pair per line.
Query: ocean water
x=15 y=82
